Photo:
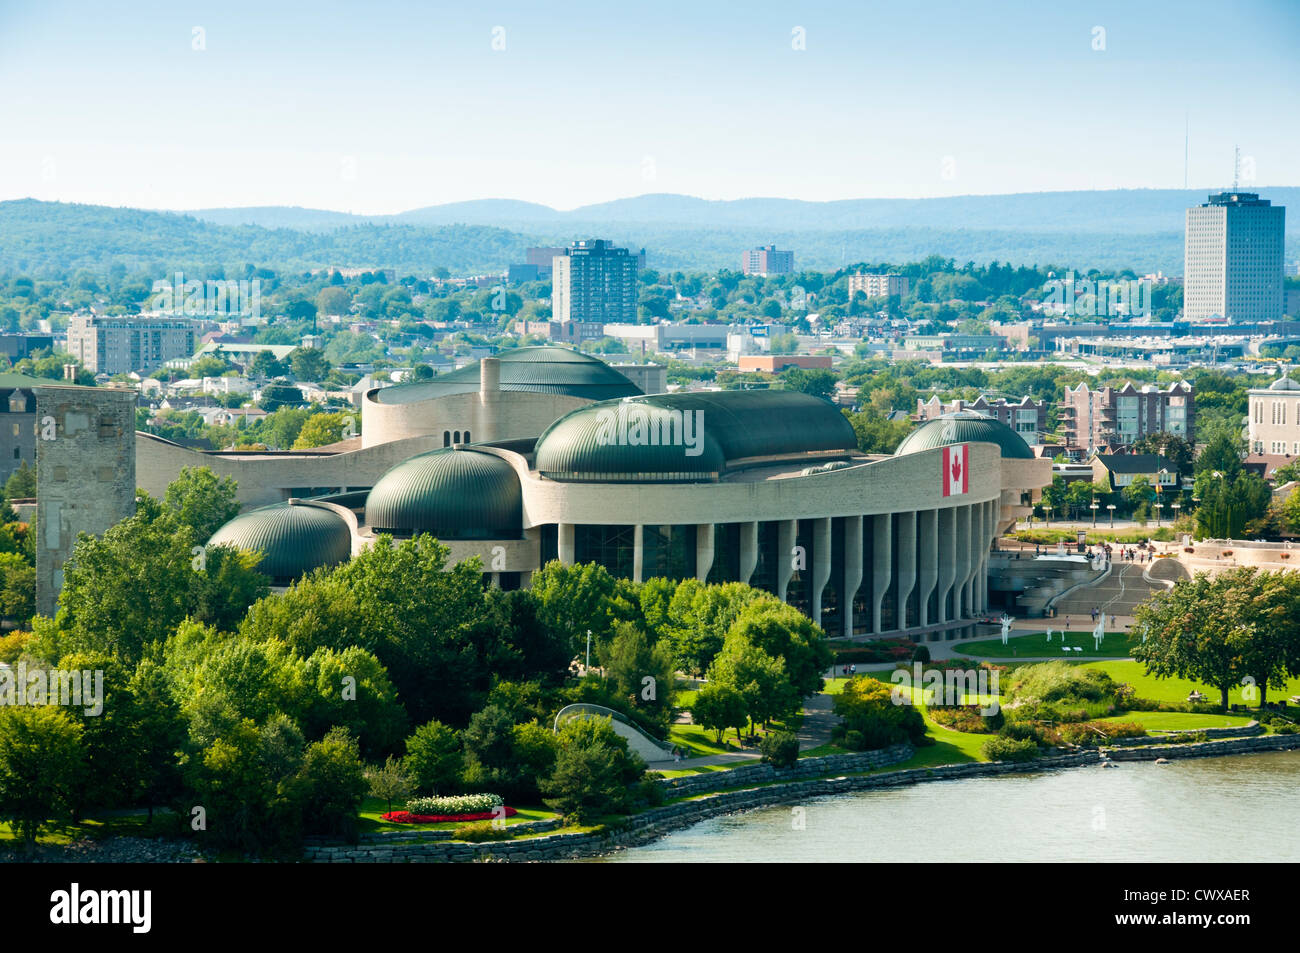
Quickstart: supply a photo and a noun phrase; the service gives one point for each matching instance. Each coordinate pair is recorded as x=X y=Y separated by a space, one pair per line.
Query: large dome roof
x=965 y=426
x=538 y=370
x=294 y=538
x=689 y=437
x=452 y=493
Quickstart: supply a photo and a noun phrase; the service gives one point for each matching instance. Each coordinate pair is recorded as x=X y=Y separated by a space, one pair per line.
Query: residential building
x=1233 y=258
x=1027 y=418
x=878 y=286
x=122 y=345
x=776 y=363
x=1273 y=418
x=1108 y=417
x=767 y=261
x=17 y=421
x=594 y=282
x=1119 y=470
x=18 y=346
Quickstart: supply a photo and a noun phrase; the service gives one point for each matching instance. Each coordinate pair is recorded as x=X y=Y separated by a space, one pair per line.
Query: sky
x=385 y=106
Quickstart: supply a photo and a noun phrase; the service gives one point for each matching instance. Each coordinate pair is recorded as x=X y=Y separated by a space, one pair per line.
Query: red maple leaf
x=956 y=470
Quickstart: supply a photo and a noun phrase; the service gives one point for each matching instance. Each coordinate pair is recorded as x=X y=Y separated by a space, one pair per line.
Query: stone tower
x=85 y=474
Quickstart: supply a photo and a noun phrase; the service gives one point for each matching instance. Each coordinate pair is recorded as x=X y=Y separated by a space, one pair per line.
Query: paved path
x=815 y=731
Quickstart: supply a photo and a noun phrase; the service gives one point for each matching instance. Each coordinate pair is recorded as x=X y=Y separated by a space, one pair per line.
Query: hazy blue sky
x=386 y=106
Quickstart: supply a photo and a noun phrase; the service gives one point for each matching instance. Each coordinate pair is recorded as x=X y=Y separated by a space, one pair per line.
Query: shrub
x=780 y=749
x=921 y=654
x=1021 y=731
x=1009 y=749
x=477 y=833
x=854 y=741
x=455 y=804
x=1089 y=733
x=867 y=707
x=1285 y=729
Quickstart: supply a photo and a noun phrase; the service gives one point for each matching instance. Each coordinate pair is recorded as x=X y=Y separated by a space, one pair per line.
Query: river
x=1244 y=808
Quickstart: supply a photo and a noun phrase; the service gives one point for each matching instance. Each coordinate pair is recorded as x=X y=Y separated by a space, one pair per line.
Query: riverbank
x=654 y=823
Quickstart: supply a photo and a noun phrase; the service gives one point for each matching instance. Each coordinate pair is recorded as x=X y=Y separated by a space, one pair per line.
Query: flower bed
x=455 y=804
x=406 y=817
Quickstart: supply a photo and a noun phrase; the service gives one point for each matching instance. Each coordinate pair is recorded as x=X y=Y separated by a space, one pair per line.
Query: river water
x=1244 y=808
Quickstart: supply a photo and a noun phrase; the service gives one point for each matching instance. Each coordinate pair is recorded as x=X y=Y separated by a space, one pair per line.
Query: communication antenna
x=1185 y=151
x=1236 y=166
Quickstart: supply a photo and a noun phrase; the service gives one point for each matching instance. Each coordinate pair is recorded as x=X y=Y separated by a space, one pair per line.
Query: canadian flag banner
x=956 y=470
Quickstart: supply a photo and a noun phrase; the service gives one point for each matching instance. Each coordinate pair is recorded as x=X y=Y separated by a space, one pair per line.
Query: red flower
x=406 y=817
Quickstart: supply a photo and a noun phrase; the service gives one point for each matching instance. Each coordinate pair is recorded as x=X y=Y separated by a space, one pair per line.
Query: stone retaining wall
x=1254 y=728
x=1203 y=749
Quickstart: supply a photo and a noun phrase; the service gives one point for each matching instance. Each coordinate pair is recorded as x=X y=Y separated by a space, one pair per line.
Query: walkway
x=1118 y=594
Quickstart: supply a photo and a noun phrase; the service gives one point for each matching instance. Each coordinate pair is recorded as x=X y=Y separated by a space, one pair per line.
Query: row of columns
x=941 y=551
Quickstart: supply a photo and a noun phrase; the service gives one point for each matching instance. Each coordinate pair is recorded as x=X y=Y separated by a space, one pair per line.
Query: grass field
x=1114 y=645
x=1177 y=689
x=1180 y=721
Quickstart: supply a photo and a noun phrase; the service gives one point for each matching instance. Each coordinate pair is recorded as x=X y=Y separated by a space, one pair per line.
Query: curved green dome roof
x=294 y=538
x=965 y=426
x=538 y=370
x=451 y=493
x=687 y=437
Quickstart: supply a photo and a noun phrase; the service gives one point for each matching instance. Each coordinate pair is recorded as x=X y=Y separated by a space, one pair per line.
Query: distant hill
x=1139 y=229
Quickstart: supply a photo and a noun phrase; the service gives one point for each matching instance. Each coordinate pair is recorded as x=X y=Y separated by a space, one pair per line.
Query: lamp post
x=1175 y=506
x=1111 y=507
x=1159 y=506
x=588 y=665
x=1093 y=506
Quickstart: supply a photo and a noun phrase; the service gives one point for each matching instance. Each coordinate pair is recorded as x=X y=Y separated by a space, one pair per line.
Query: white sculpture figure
x=1006 y=627
x=1049 y=635
x=1100 y=632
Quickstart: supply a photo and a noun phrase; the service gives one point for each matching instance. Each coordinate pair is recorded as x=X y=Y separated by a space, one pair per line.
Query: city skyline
x=235 y=105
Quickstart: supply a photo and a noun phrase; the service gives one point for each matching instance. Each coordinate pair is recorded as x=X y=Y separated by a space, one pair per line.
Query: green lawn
x=1175 y=690
x=1114 y=645
x=1179 y=721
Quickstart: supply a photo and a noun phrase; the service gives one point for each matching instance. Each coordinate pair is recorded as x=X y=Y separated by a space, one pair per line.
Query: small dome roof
x=965 y=426
x=452 y=493
x=1284 y=383
x=294 y=538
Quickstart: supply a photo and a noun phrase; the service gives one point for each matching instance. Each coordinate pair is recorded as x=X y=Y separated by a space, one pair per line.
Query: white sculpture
x=1049 y=635
x=1099 y=633
x=1006 y=627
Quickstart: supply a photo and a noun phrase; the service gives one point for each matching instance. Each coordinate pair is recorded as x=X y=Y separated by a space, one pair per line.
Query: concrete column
x=821 y=565
x=852 y=569
x=748 y=550
x=962 y=562
x=785 y=537
x=947 y=561
x=566 y=545
x=638 y=553
x=488 y=424
x=881 y=565
x=976 y=535
x=703 y=550
x=906 y=563
x=927 y=533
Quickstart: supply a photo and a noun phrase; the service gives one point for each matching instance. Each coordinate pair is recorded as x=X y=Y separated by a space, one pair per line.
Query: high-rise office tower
x=1233 y=259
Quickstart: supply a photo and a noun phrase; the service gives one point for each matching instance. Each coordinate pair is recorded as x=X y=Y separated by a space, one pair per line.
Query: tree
x=630 y=659
x=1240 y=624
x=818 y=382
x=719 y=707
x=759 y=679
x=201 y=500
x=41 y=763
x=784 y=632
x=21 y=484
x=572 y=599
x=390 y=781
x=279 y=394
x=265 y=365
x=1173 y=447
x=434 y=757
x=320 y=430
x=330 y=785
x=309 y=364
x=1222 y=454
x=594 y=772
x=780 y=749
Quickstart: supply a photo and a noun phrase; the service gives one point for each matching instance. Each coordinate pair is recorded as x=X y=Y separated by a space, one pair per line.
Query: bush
x=477 y=833
x=1009 y=749
x=1090 y=733
x=921 y=654
x=455 y=804
x=1021 y=731
x=780 y=749
x=867 y=707
x=854 y=741
x=1285 y=729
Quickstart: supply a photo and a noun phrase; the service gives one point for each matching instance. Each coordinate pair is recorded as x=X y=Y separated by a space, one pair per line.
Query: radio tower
x=1236 y=166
